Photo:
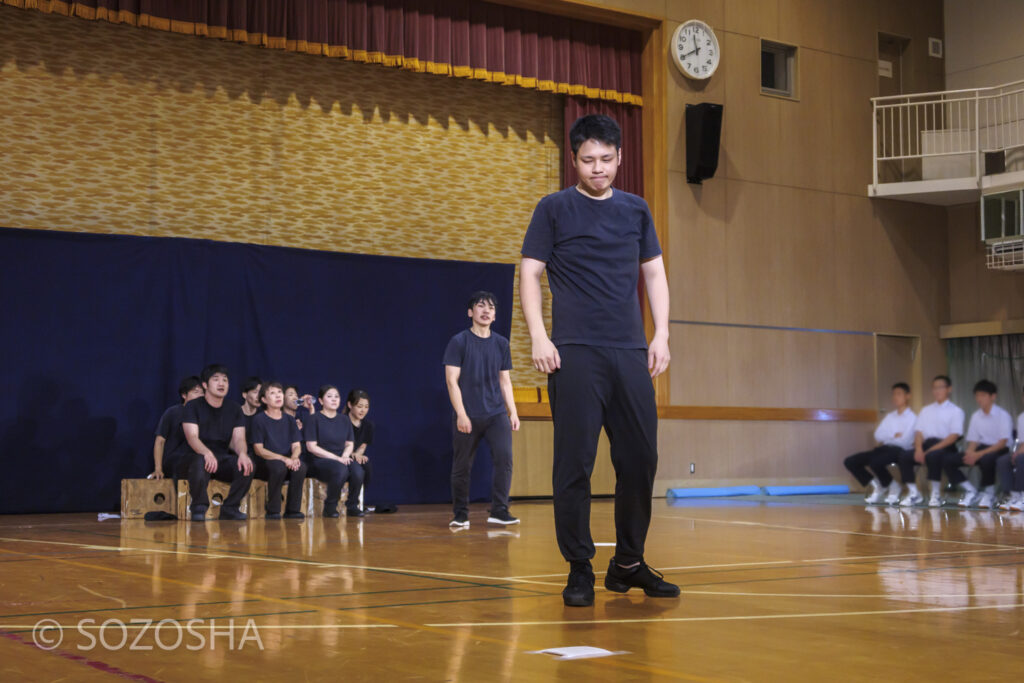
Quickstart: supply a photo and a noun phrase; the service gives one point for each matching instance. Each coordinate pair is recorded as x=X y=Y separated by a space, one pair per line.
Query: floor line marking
x=751 y=617
x=769 y=563
x=129 y=625
x=894 y=596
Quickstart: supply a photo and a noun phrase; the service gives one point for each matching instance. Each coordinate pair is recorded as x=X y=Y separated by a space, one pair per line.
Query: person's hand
x=346 y=460
x=361 y=459
x=545 y=355
x=971 y=457
x=919 y=456
x=292 y=463
x=463 y=424
x=156 y=474
x=307 y=401
x=245 y=465
x=210 y=463
x=898 y=435
x=658 y=355
x=514 y=419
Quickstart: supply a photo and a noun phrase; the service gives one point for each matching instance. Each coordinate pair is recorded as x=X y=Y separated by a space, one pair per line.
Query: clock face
x=695 y=49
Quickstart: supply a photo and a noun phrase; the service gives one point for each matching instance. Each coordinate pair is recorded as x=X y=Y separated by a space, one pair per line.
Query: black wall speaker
x=703 y=130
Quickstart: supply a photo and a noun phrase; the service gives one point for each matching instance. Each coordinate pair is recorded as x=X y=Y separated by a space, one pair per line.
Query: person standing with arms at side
x=595 y=241
x=477 y=367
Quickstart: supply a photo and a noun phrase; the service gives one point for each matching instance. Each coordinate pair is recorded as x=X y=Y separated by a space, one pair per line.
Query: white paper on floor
x=577 y=652
x=605 y=545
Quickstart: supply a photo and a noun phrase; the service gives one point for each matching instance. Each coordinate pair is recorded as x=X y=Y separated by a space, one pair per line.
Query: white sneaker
x=894 y=494
x=1017 y=505
x=935 y=501
x=970 y=499
x=911 y=499
x=876 y=497
x=987 y=501
x=1005 y=505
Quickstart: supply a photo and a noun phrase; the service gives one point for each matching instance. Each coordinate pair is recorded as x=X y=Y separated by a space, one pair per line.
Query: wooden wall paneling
x=750 y=120
x=701 y=367
x=805 y=126
x=752 y=17
x=855 y=82
x=698 y=281
x=854 y=381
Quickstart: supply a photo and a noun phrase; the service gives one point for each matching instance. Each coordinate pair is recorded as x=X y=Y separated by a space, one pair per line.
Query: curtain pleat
x=462 y=38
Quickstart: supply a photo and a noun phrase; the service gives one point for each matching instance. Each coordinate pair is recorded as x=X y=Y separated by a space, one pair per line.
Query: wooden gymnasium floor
x=810 y=589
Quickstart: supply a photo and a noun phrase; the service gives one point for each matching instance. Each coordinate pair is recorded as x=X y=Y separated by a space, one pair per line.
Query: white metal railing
x=948 y=131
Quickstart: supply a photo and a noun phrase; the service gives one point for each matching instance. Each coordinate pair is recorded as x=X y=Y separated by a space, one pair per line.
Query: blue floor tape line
x=804 y=490
x=714 y=492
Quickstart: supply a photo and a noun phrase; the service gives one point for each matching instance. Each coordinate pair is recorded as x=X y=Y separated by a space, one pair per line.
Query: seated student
x=357 y=405
x=329 y=443
x=293 y=404
x=894 y=436
x=169 y=435
x=989 y=436
x=214 y=427
x=277 y=442
x=938 y=428
x=1011 y=472
x=250 y=405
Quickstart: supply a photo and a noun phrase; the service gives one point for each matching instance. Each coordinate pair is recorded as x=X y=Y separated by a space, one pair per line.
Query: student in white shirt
x=1011 y=472
x=938 y=428
x=989 y=436
x=894 y=436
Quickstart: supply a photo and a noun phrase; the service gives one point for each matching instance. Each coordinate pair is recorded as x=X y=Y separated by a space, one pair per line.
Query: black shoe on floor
x=502 y=517
x=232 y=515
x=459 y=521
x=331 y=513
x=355 y=513
x=273 y=515
x=198 y=517
x=294 y=515
x=579 y=590
x=652 y=581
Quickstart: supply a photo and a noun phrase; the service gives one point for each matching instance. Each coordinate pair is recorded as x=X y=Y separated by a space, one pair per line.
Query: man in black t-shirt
x=215 y=434
x=476 y=365
x=594 y=242
x=169 y=435
x=250 y=406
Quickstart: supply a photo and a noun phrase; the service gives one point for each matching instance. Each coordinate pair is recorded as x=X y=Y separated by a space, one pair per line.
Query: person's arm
x=505 y=380
x=158 y=457
x=191 y=430
x=319 y=452
x=241 y=448
x=267 y=454
x=346 y=456
x=918 y=447
x=545 y=354
x=656 y=284
x=997 y=446
x=945 y=443
x=451 y=377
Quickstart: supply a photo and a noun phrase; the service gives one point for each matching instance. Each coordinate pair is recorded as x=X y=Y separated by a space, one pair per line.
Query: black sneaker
x=331 y=513
x=294 y=515
x=652 y=581
x=273 y=515
x=579 y=589
x=355 y=512
x=502 y=517
x=232 y=515
x=459 y=521
x=198 y=517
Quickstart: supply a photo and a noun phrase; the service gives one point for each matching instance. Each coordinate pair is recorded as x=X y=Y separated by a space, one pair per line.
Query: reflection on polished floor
x=801 y=590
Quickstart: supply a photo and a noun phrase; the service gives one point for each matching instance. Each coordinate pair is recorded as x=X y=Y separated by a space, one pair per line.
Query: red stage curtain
x=631 y=173
x=461 y=38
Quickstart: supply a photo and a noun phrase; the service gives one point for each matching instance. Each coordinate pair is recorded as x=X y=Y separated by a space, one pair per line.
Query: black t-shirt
x=330 y=433
x=215 y=424
x=363 y=433
x=277 y=436
x=169 y=428
x=248 y=428
x=481 y=360
x=593 y=249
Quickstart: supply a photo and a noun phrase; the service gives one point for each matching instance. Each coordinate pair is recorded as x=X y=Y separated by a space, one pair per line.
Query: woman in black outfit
x=329 y=443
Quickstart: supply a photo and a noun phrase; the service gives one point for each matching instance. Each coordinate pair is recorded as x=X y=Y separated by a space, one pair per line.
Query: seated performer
x=989 y=437
x=215 y=445
x=938 y=428
x=1011 y=472
x=277 y=442
x=894 y=436
x=329 y=443
x=169 y=436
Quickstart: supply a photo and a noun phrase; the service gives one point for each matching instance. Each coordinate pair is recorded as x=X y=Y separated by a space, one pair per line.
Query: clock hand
x=695 y=50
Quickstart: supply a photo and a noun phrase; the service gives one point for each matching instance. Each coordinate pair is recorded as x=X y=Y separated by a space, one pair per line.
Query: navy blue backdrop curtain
x=97 y=330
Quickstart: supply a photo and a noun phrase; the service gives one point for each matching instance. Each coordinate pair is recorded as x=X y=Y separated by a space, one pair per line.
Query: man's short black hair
x=986 y=387
x=594 y=127
x=944 y=378
x=477 y=297
x=250 y=383
x=901 y=385
x=188 y=384
x=213 y=369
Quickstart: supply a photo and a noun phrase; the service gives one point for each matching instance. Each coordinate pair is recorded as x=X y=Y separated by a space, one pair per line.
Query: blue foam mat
x=805 y=490
x=714 y=492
